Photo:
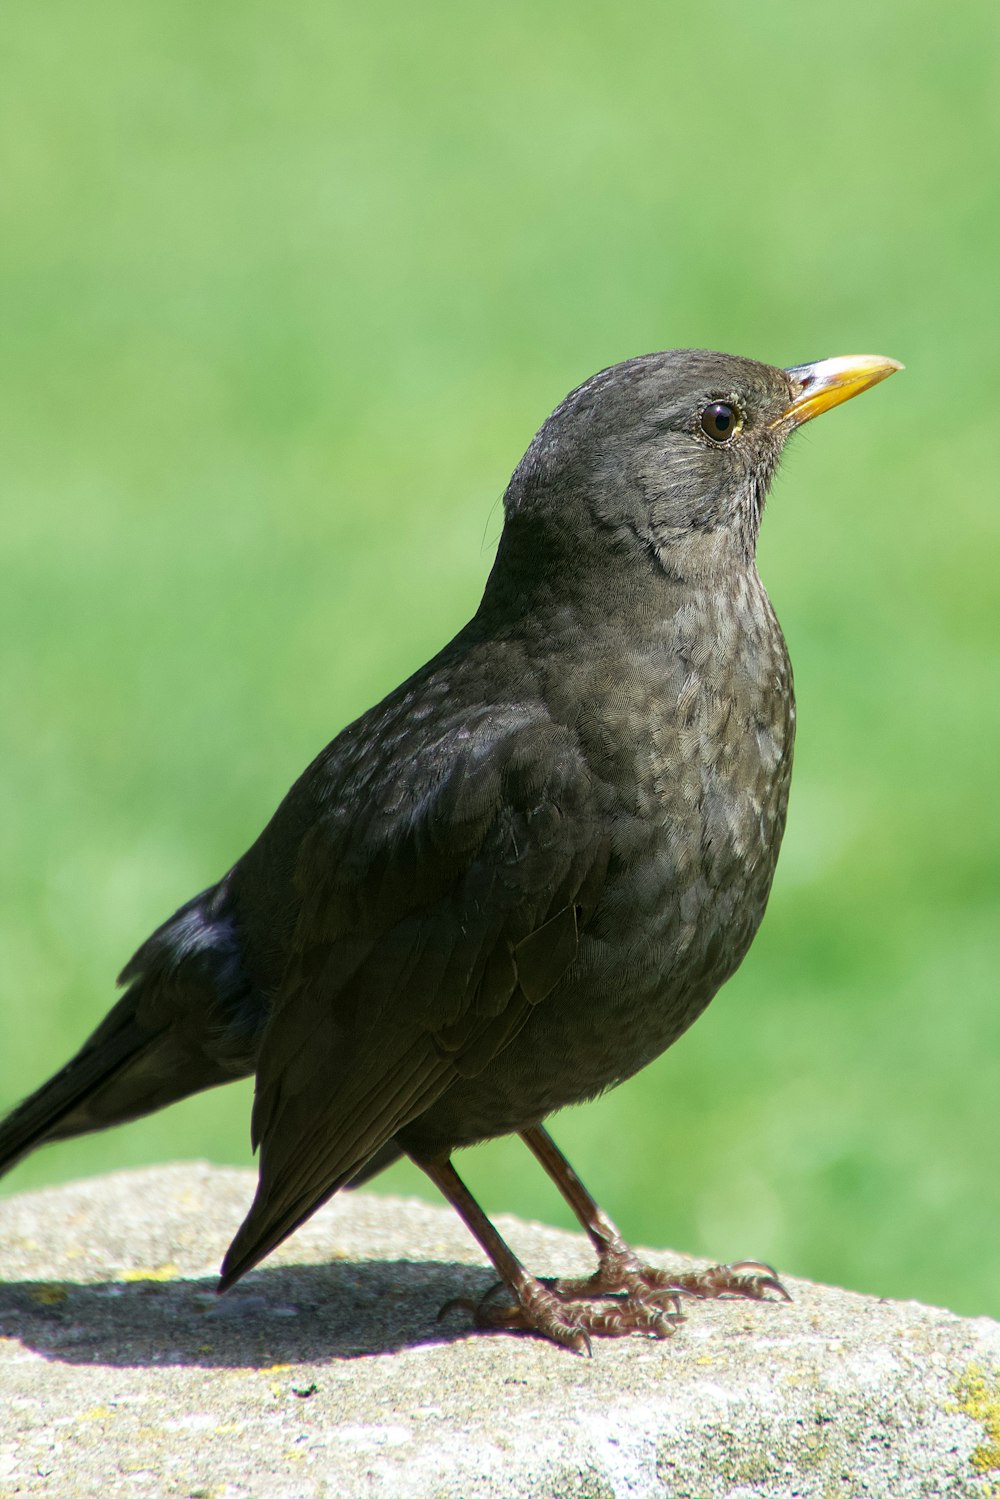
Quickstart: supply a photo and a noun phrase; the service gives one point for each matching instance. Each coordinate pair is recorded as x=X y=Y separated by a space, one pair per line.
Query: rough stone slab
x=326 y=1373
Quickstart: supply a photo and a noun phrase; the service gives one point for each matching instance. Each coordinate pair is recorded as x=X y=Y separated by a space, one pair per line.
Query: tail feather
x=189 y=1020
x=42 y=1113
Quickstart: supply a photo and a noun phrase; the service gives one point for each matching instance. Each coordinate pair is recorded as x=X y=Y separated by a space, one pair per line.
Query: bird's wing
x=434 y=915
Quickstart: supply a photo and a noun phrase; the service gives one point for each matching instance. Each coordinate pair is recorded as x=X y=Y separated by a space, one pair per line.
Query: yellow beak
x=817 y=387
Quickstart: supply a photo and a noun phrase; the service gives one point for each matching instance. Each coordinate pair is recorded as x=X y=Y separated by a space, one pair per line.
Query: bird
x=522 y=875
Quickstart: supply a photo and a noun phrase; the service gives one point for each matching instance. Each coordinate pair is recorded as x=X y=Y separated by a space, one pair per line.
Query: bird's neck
x=542 y=567
x=582 y=576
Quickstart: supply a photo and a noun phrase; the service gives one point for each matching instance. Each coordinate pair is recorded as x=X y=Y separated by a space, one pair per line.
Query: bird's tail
x=59 y=1108
x=188 y=1020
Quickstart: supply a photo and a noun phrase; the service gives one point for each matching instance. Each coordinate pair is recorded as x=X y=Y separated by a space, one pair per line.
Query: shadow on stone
x=118 y=1373
x=289 y=1315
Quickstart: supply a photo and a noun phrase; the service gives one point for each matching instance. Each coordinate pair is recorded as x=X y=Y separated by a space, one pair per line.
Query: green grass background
x=285 y=292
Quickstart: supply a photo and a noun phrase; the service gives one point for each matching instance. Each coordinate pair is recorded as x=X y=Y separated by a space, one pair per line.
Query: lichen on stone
x=978 y=1395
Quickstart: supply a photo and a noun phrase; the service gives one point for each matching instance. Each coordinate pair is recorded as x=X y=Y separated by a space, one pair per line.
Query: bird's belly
x=629 y=1000
x=691 y=778
x=668 y=932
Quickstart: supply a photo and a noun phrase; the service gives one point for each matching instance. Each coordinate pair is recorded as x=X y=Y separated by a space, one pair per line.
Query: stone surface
x=327 y=1372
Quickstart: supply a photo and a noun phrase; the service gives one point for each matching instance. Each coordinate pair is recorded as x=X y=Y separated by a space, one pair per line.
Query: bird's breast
x=685 y=731
x=688 y=737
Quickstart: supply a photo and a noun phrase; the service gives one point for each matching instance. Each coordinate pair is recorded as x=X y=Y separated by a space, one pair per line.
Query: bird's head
x=673 y=454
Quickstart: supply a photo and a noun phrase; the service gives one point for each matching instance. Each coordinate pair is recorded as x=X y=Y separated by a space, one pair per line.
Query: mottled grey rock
x=327 y=1372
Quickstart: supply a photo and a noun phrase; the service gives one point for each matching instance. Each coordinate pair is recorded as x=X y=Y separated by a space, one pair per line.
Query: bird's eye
x=720 y=421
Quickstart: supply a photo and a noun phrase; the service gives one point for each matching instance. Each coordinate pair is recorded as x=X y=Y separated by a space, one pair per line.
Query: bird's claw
x=620 y=1271
x=624 y=1295
x=750 y=1279
x=570 y=1314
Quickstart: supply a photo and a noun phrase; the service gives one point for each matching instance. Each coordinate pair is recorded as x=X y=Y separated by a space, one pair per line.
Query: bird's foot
x=620 y=1271
x=750 y=1279
x=624 y=1295
x=543 y=1307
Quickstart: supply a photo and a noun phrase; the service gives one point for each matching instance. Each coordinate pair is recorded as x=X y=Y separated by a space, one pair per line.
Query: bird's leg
x=537 y=1305
x=619 y=1269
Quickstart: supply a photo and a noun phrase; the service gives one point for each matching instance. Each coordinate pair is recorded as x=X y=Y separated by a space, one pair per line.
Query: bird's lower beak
x=817 y=387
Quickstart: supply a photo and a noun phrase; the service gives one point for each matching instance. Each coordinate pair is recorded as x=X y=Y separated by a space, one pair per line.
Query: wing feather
x=429 y=926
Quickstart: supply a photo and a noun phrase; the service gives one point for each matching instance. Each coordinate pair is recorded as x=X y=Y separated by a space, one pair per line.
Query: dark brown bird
x=520 y=877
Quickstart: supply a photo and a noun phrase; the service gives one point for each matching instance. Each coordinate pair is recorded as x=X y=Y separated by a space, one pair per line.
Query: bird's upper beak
x=817 y=387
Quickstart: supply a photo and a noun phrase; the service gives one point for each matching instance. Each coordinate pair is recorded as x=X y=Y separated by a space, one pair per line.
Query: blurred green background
x=285 y=292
